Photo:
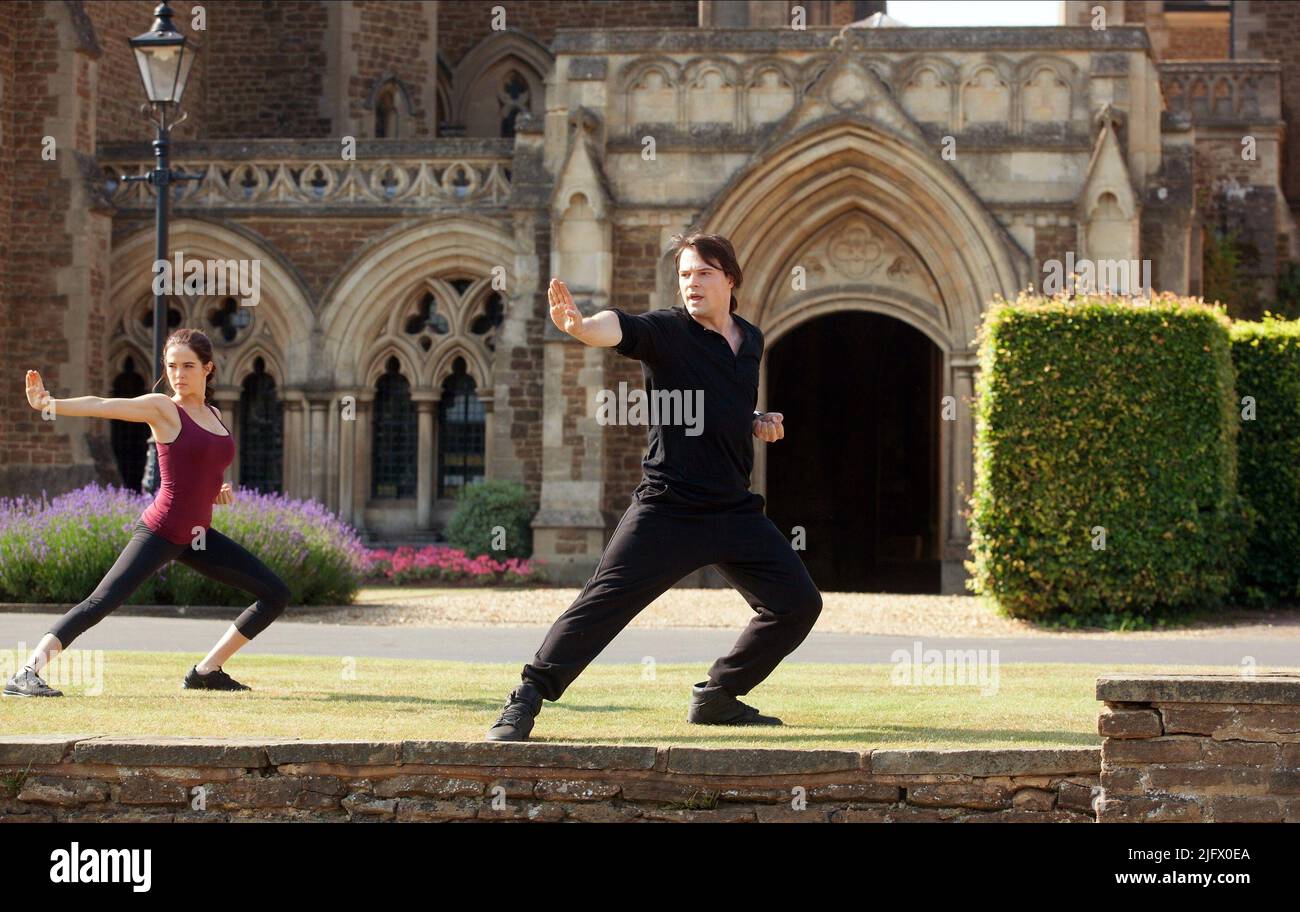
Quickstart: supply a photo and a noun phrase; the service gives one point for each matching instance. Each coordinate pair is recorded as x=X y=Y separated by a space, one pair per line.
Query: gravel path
x=842 y=612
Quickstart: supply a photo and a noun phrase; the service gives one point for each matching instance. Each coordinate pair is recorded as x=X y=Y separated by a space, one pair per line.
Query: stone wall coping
x=52 y=749
x=1272 y=687
x=653 y=38
x=309 y=150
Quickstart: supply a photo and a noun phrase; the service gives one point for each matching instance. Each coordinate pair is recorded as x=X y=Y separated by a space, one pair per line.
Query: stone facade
x=903 y=175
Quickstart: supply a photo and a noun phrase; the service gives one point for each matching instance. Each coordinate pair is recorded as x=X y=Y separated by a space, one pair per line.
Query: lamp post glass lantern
x=164 y=57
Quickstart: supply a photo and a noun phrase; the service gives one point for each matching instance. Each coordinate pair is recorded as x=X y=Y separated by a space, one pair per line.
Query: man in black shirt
x=693 y=507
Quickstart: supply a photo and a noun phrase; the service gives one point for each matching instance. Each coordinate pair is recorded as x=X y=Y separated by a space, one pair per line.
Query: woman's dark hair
x=715 y=250
x=201 y=345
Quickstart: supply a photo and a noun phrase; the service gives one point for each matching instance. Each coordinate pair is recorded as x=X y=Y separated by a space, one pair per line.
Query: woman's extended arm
x=146 y=408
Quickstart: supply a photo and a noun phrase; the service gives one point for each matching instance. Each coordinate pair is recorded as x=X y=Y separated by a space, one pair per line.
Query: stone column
x=362 y=443
x=227 y=400
x=318 y=449
x=332 y=449
x=959 y=473
x=347 y=423
x=569 y=528
x=424 y=403
x=295 y=443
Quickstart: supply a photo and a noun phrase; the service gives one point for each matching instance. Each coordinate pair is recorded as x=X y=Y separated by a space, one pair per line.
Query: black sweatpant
x=656 y=544
x=222 y=559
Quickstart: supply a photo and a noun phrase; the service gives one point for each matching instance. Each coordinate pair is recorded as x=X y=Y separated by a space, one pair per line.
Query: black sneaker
x=711 y=705
x=27 y=683
x=523 y=704
x=213 y=680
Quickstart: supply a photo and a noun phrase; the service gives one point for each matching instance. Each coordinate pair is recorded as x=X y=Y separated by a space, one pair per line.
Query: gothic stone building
x=401 y=347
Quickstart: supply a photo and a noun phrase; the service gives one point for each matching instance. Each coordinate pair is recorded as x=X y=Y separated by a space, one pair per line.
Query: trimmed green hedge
x=1267 y=359
x=1097 y=412
x=484 y=505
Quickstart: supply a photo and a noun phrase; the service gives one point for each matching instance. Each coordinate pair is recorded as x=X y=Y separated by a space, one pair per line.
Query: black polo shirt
x=708 y=461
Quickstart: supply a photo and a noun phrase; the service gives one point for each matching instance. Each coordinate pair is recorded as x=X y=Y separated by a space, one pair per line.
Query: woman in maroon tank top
x=194 y=450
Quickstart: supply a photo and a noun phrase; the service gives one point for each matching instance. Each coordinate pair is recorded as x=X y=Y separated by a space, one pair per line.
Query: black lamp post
x=164 y=60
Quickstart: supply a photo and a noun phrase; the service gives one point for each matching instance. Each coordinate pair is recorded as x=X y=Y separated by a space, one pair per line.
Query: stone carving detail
x=1223 y=91
x=856 y=250
x=985 y=98
x=386 y=183
x=989 y=89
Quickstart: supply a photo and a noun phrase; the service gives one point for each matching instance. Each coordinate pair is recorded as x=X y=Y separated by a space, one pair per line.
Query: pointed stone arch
x=357 y=305
x=486 y=63
x=846 y=163
x=243 y=365
x=391 y=92
x=475 y=366
x=284 y=313
x=377 y=363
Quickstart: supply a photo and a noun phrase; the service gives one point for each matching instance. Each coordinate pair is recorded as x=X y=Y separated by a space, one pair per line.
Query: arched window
x=461 y=424
x=130 y=439
x=514 y=100
x=261 y=432
x=393 y=466
x=387 y=121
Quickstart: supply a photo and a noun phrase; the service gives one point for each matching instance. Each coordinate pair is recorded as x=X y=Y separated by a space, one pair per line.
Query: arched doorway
x=859 y=466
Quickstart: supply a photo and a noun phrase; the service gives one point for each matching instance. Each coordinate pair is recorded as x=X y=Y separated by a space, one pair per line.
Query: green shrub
x=1287 y=304
x=483 y=507
x=1101 y=413
x=1267 y=359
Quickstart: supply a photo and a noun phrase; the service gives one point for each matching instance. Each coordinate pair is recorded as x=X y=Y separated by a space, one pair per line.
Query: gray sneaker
x=27 y=683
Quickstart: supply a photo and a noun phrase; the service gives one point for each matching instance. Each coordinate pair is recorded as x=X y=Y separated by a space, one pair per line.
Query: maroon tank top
x=190 y=470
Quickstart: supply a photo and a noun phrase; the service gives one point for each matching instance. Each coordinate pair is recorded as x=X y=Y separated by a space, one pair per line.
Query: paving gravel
x=842 y=612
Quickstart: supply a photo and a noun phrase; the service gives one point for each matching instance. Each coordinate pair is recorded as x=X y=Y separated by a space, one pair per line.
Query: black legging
x=222 y=559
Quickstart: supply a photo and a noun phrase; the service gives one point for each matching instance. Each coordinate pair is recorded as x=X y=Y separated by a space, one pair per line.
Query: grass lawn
x=823 y=706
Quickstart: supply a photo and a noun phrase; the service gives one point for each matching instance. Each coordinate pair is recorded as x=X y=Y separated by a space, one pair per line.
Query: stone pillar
x=569 y=528
x=332 y=450
x=362 y=444
x=1200 y=748
x=227 y=400
x=317 y=450
x=295 y=443
x=347 y=422
x=958 y=473
x=424 y=403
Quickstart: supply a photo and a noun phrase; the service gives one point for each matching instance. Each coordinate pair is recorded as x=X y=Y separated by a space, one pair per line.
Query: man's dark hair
x=715 y=250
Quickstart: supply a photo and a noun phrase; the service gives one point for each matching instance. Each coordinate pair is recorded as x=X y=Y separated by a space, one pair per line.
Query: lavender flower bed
x=58 y=549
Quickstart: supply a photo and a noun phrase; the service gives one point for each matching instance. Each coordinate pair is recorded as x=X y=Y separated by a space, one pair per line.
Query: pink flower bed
x=440 y=563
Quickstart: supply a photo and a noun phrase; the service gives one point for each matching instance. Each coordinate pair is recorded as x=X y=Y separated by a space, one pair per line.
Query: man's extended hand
x=768 y=427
